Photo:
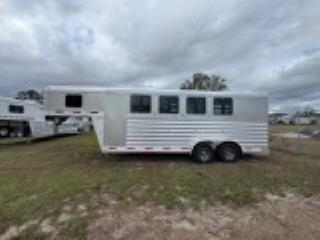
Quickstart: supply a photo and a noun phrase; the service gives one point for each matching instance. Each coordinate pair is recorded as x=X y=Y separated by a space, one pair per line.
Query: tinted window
x=16 y=109
x=196 y=105
x=222 y=106
x=169 y=104
x=140 y=104
x=74 y=101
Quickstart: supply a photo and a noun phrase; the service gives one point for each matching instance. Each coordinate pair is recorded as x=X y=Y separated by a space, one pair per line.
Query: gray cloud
x=268 y=46
x=297 y=84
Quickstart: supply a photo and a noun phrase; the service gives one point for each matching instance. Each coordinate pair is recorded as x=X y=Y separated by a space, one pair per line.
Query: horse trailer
x=201 y=123
x=23 y=118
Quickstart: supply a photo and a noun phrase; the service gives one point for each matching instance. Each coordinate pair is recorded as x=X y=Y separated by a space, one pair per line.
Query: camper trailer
x=206 y=125
x=23 y=118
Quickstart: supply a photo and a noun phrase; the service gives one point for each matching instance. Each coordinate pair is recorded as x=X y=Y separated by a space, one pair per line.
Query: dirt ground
x=289 y=217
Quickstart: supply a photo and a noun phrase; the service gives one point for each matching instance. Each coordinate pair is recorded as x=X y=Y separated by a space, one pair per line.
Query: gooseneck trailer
x=26 y=118
x=23 y=118
x=201 y=123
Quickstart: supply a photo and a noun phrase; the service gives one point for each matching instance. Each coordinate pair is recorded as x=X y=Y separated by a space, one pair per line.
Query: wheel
x=12 y=134
x=203 y=153
x=19 y=134
x=4 y=132
x=229 y=152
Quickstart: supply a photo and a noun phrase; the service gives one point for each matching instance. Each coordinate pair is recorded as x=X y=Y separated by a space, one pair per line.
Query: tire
x=19 y=134
x=229 y=152
x=12 y=134
x=4 y=132
x=203 y=153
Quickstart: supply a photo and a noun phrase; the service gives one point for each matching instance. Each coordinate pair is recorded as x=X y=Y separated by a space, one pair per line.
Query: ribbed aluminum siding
x=161 y=132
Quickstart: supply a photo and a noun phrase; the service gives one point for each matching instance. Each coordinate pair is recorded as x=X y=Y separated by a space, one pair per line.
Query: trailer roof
x=90 y=89
x=18 y=101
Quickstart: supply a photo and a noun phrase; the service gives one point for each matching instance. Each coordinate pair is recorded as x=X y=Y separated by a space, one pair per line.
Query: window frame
x=16 y=109
x=196 y=113
x=223 y=111
x=73 y=105
x=177 y=98
x=131 y=107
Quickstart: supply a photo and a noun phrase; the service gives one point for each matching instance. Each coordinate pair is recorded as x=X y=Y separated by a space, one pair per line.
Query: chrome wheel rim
x=229 y=154
x=204 y=154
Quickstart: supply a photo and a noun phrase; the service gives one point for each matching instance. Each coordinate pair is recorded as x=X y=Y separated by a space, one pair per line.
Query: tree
x=30 y=94
x=201 y=81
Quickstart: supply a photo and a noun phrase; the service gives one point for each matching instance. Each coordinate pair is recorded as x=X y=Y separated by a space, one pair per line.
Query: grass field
x=281 y=128
x=39 y=180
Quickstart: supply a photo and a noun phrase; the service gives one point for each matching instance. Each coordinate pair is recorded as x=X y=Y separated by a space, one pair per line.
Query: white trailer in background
x=74 y=125
x=23 y=118
x=203 y=124
x=304 y=120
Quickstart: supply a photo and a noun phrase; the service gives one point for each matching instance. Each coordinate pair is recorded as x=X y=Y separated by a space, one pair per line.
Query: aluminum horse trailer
x=23 y=118
x=201 y=123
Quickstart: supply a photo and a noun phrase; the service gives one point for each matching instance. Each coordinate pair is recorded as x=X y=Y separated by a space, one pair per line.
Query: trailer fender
x=196 y=142
x=214 y=141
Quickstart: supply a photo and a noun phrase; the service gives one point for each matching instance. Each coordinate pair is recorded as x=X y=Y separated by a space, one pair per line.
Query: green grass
x=38 y=179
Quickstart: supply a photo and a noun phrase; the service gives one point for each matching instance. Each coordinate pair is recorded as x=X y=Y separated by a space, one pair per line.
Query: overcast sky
x=270 y=46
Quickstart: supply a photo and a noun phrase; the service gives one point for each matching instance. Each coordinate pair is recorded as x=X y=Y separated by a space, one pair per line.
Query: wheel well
x=229 y=142
x=203 y=142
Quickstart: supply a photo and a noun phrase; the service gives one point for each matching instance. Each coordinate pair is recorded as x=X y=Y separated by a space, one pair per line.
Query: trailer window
x=74 y=101
x=169 y=104
x=16 y=109
x=222 y=106
x=196 y=105
x=140 y=104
